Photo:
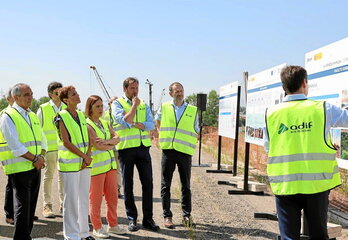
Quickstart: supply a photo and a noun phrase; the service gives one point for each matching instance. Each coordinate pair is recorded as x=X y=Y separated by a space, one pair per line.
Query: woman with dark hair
x=74 y=158
x=103 y=180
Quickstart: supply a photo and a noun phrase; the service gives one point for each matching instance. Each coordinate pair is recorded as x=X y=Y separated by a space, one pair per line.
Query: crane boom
x=100 y=81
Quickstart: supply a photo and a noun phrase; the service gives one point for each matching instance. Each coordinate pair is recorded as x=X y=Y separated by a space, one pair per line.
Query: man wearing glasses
x=46 y=113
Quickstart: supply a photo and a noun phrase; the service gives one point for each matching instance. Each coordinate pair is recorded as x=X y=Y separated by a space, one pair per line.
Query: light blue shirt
x=117 y=112
x=335 y=117
x=179 y=110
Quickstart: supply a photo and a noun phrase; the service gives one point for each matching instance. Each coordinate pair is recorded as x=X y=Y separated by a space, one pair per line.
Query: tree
x=192 y=99
x=34 y=106
x=210 y=116
x=3 y=104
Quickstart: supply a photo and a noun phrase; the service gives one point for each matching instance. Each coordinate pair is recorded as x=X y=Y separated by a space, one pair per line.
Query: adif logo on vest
x=303 y=127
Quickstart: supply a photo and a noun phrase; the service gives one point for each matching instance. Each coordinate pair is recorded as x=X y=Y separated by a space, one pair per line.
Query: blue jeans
x=315 y=207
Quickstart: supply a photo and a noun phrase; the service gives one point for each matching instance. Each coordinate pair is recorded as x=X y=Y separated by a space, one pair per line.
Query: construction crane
x=161 y=98
x=100 y=81
x=150 y=94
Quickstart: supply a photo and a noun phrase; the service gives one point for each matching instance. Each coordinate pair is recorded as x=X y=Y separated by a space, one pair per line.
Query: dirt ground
x=217 y=214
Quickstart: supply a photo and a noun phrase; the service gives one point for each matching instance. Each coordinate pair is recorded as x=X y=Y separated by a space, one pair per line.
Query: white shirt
x=55 y=108
x=10 y=133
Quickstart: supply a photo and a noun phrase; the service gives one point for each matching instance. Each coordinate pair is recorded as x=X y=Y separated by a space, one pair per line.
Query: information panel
x=264 y=90
x=228 y=110
x=327 y=69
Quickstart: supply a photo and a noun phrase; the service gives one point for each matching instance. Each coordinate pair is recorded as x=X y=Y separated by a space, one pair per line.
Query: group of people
x=83 y=147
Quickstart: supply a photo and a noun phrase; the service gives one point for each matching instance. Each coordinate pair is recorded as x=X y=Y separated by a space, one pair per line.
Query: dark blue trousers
x=8 y=205
x=315 y=207
x=171 y=158
x=141 y=159
x=26 y=187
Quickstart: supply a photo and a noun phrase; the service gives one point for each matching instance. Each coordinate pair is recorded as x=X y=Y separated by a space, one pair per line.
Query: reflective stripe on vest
x=28 y=134
x=300 y=161
x=78 y=133
x=180 y=135
x=103 y=161
x=50 y=130
x=132 y=137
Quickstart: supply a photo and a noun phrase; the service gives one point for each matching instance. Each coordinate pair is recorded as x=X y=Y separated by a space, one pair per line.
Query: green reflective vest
x=300 y=160
x=78 y=134
x=180 y=135
x=132 y=137
x=103 y=161
x=28 y=134
x=50 y=130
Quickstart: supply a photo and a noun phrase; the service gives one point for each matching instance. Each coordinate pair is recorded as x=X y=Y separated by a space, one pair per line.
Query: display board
x=327 y=69
x=228 y=110
x=264 y=90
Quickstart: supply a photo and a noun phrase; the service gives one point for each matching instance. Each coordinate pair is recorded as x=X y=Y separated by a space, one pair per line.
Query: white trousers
x=75 y=205
x=50 y=169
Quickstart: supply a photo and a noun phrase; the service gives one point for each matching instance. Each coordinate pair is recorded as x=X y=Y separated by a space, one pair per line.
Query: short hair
x=17 y=89
x=89 y=104
x=174 y=83
x=129 y=80
x=292 y=78
x=8 y=93
x=64 y=92
x=53 y=85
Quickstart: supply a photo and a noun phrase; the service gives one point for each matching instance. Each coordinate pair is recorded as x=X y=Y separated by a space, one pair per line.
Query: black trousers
x=8 y=205
x=26 y=187
x=139 y=157
x=315 y=207
x=171 y=158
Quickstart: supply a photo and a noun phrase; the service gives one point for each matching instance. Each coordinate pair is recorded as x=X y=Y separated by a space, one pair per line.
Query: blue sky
x=202 y=44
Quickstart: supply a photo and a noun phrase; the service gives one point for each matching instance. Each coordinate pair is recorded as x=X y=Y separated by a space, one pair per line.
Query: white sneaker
x=117 y=229
x=100 y=233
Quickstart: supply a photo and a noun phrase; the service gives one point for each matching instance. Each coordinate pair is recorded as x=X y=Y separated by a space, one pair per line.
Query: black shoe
x=132 y=226
x=36 y=218
x=151 y=225
x=188 y=222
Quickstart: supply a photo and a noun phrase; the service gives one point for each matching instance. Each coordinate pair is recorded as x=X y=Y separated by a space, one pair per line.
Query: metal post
x=200 y=137
x=150 y=94
x=235 y=153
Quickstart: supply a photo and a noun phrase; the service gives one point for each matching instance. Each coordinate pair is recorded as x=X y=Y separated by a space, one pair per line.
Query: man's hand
x=40 y=163
x=135 y=101
x=86 y=161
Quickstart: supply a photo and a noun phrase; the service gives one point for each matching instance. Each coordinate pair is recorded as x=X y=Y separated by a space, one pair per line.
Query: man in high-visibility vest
x=8 y=204
x=134 y=120
x=302 y=168
x=24 y=159
x=177 y=122
x=46 y=113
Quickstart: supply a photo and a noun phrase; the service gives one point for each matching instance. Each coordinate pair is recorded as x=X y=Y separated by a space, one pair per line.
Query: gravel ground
x=217 y=214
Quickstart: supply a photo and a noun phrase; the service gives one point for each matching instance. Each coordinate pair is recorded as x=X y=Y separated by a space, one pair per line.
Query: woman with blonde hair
x=103 y=173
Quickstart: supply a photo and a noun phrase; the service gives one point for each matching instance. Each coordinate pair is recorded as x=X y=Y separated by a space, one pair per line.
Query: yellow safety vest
x=50 y=130
x=300 y=160
x=28 y=134
x=78 y=133
x=103 y=161
x=132 y=137
x=181 y=135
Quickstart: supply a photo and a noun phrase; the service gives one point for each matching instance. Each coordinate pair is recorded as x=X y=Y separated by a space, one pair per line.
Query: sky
x=204 y=44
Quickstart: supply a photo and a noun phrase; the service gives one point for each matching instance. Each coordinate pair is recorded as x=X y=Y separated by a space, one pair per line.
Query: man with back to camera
x=300 y=172
x=24 y=159
x=177 y=122
x=134 y=121
x=46 y=114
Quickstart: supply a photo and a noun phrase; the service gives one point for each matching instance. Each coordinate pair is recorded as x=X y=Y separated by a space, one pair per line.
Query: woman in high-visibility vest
x=103 y=173
x=74 y=158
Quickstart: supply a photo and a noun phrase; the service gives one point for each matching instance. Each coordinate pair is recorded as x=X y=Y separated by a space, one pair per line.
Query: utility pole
x=150 y=94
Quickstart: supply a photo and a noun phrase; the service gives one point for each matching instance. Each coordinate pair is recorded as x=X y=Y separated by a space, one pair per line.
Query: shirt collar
x=52 y=104
x=294 y=97
x=21 y=110
x=183 y=105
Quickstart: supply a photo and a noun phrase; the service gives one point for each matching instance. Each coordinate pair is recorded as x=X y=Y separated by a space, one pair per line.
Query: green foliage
x=210 y=116
x=34 y=106
x=3 y=104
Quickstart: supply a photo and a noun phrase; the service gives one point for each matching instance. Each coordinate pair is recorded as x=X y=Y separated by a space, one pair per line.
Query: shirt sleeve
x=43 y=140
x=158 y=114
x=149 y=123
x=10 y=134
x=39 y=115
x=197 y=128
x=117 y=112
